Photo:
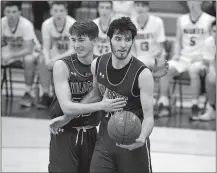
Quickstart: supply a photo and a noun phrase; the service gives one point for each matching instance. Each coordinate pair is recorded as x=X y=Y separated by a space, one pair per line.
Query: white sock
x=164 y=100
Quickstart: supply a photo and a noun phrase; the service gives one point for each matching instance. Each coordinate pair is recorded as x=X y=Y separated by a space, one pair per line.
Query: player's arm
x=161 y=38
x=178 y=41
x=146 y=97
x=94 y=95
x=47 y=42
x=62 y=89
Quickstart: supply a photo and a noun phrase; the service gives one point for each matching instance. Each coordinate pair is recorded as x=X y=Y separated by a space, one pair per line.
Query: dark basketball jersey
x=127 y=86
x=81 y=83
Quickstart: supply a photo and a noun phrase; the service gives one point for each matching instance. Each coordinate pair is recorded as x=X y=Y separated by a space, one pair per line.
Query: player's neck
x=60 y=22
x=194 y=15
x=13 y=24
x=142 y=19
x=105 y=20
x=119 y=64
x=87 y=59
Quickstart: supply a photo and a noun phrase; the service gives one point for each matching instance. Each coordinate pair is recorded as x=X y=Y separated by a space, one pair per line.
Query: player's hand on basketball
x=112 y=105
x=138 y=143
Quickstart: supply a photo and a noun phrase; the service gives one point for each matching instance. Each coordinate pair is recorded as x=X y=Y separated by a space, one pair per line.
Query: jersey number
x=144 y=46
x=192 y=41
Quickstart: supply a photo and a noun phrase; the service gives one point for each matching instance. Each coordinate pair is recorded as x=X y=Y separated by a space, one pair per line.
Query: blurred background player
x=103 y=22
x=56 y=44
x=192 y=30
x=20 y=40
x=149 y=42
x=209 y=55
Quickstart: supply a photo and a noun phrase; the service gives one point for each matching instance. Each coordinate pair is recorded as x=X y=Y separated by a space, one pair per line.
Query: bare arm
x=94 y=95
x=46 y=38
x=178 y=42
x=62 y=89
x=146 y=96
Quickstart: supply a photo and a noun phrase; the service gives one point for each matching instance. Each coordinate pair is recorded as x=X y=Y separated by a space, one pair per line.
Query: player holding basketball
x=71 y=150
x=19 y=41
x=123 y=76
x=103 y=22
x=192 y=31
x=56 y=45
x=149 y=42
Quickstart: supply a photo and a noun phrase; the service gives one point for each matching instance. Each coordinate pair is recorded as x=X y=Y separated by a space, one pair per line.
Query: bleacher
x=169 y=11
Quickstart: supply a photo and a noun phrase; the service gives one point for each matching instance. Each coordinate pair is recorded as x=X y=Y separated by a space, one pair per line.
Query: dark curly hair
x=122 y=25
x=84 y=28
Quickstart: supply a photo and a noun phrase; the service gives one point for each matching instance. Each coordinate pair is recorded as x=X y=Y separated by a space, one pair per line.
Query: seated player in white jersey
x=149 y=42
x=103 y=22
x=192 y=30
x=19 y=41
x=209 y=55
x=56 y=45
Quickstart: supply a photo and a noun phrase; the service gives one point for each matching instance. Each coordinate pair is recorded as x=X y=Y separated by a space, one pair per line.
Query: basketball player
x=192 y=30
x=103 y=22
x=210 y=60
x=71 y=150
x=149 y=42
x=56 y=44
x=20 y=39
x=123 y=76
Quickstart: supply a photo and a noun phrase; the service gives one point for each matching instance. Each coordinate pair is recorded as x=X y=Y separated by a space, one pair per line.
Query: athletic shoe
x=26 y=100
x=44 y=102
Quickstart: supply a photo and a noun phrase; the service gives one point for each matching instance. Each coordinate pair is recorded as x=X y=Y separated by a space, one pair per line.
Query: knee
x=30 y=60
x=194 y=71
x=172 y=69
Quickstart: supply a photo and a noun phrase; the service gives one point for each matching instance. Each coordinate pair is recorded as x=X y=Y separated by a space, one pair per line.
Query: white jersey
x=194 y=34
x=149 y=37
x=103 y=45
x=60 y=40
x=24 y=31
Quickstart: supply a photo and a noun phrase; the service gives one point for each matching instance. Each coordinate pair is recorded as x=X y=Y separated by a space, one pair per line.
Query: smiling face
x=82 y=45
x=121 y=44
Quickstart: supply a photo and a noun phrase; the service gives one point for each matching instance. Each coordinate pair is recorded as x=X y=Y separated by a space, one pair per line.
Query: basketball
x=124 y=127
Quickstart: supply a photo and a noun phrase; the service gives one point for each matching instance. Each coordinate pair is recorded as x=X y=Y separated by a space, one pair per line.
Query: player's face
x=82 y=45
x=141 y=8
x=105 y=9
x=12 y=13
x=59 y=12
x=194 y=5
x=121 y=44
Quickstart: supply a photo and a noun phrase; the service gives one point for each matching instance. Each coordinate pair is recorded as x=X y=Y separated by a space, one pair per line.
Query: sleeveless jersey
x=124 y=89
x=60 y=40
x=103 y=45
x=14 y=40
x=194 y=34
x=149 y=37
x=81 y=83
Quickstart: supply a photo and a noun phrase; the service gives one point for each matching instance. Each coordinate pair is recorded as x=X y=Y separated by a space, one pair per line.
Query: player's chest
x=147 y=34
